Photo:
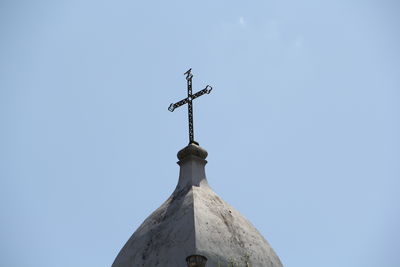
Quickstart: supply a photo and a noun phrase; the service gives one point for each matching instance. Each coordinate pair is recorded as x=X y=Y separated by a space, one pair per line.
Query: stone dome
x=194 y=220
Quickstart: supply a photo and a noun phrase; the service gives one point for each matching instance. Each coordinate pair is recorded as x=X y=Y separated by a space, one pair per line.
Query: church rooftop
x=194 y=227
x=194 y=220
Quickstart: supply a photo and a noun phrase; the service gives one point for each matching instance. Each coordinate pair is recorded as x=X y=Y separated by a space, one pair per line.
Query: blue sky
x=302 y=127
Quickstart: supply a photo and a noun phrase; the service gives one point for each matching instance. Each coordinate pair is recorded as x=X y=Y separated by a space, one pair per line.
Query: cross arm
x=173 y=106
x=206 y=90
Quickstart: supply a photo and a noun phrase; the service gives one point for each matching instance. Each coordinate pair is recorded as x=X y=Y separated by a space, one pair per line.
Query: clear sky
x=302 y=127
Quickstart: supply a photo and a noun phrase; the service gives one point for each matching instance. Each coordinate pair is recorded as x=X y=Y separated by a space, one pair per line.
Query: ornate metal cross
x=189 y=100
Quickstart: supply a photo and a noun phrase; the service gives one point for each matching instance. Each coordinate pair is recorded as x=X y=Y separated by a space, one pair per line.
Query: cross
x=189 y=100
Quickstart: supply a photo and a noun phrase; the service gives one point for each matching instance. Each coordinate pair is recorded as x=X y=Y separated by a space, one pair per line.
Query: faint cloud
x=298 y=42
x=242 y=21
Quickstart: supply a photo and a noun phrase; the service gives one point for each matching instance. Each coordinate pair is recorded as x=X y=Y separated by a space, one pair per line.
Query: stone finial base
x=194 y=150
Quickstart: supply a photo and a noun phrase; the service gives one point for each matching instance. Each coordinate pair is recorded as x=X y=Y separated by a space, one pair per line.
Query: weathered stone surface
x=194 y=220
x=194 y=150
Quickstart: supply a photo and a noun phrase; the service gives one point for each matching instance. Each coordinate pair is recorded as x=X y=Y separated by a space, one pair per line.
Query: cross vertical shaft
x=190 y=106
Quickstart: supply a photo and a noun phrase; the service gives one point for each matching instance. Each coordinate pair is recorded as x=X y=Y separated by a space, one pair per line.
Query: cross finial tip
x=188 y=74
